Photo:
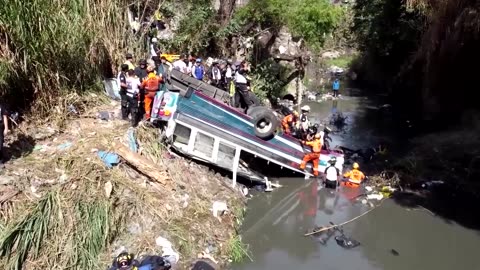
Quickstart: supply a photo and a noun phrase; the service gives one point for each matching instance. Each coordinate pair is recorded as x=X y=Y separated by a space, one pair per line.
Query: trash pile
x=94 y=186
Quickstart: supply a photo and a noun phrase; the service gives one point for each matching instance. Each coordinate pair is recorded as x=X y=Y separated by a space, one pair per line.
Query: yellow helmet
x=355 y=165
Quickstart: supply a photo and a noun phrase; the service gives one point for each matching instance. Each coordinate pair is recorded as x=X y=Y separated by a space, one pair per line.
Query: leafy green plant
x=268 y=79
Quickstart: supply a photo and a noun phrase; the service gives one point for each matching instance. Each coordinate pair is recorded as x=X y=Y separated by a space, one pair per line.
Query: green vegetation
x=45 y=229
x=311 y=20
x=237 y=250
x=420 y=50
x=53 y=46
x=343 y=61
x=269 y=79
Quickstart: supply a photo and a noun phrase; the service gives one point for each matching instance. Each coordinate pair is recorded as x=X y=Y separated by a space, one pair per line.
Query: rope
x=341 y=224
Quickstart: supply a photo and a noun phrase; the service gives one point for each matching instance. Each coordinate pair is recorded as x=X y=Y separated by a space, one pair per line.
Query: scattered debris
x=346 y=242
x=142 y=164
x=219 y=208
x=394 y=252
x=110 y=159
x=167 y=250
x=64 y=146
x=108 y=189
x=132 y=140
x=322 y=229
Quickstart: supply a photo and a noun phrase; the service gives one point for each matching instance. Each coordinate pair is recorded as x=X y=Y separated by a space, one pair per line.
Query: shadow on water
x=400 y=234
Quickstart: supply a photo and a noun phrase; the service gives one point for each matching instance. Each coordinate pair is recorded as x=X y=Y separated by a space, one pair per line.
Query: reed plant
x=49 y=47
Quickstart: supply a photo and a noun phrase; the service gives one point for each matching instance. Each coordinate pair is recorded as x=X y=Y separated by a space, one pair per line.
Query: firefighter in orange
x=354 y=177
x=151 y=86
x=314 y=156
x=289 y=122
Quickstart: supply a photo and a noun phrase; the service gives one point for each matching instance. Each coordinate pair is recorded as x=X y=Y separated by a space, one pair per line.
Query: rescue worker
x=124 y=261
x=314 y=156
x=122 y=79
x=198 y=70
x=303 y=123
x=151 y=85
x=3 y=130
x=141 y=70
x=332 y=174
x=289 y=122
x=354 y=177
x=129 y=61
x=132 y=97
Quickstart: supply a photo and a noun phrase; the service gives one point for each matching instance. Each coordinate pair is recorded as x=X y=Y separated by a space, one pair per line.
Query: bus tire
x=265 y=123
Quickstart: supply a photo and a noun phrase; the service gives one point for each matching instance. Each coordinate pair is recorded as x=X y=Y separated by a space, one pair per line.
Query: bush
x=52 y=46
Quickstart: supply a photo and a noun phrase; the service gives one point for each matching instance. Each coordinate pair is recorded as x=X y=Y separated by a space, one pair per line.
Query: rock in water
x=394 y=252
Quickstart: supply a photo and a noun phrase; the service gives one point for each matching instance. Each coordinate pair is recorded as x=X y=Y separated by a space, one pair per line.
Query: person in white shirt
x=133 y=90
x=181 y=64
x=332 y=174
x=154 y=47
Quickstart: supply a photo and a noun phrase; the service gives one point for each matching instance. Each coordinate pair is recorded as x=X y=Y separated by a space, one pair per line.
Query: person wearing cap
x=141 y=70
x=129 y=61
x=198 y=71
x=132 y=97
x=332 y=174
x=314 y=156
x=122 y=80
x=303 y=123
x=124 y=261
x=151 y=86
x=354 y=177
x=215 y=75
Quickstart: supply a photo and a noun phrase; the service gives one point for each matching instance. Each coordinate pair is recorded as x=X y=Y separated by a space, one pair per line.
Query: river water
x=392 y=237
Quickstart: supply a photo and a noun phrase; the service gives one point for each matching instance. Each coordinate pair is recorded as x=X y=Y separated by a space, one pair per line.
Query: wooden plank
x=142 y=164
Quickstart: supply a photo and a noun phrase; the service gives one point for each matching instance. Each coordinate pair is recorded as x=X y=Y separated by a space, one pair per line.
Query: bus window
x=225 y=155
x=203 y=145
x=181 y=135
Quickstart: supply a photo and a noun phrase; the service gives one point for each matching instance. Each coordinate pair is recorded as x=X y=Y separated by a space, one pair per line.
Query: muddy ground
x=60 y=205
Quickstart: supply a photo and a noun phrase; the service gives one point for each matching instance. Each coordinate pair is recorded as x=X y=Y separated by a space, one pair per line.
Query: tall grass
x=59 y=232
x=51 y=46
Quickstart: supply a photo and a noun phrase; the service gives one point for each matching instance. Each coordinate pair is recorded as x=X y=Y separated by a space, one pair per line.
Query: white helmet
x=305 y=108
x=154 y=40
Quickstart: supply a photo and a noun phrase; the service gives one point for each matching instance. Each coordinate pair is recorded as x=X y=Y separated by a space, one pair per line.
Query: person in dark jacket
x=243 y=96
x=141 y=70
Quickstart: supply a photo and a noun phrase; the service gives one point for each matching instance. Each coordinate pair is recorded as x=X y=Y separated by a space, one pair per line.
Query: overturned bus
x=200 y=124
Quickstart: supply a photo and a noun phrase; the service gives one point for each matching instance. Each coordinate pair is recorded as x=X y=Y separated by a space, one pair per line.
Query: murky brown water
x=275 y=223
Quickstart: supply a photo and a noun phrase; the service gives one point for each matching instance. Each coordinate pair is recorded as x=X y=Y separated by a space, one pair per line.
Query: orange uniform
x=314 y=156
x=355 y=178
x=151 y=85
x=287 y=122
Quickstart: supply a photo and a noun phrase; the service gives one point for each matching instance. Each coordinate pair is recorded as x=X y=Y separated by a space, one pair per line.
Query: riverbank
x=60 y=204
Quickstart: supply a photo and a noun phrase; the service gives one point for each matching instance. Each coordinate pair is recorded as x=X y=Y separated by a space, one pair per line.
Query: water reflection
x=276 y=222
